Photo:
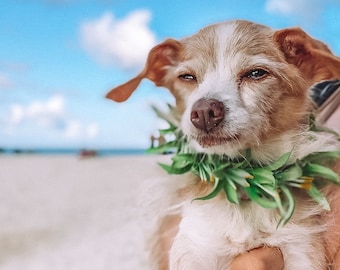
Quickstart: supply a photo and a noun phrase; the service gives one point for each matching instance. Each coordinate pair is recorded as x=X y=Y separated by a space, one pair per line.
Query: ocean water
x=69 y=151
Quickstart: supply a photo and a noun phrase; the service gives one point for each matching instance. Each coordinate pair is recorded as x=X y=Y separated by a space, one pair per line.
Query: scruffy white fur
x=267 y=113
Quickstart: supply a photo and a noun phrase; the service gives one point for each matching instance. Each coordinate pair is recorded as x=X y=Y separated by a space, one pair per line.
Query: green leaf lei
x=270 y=186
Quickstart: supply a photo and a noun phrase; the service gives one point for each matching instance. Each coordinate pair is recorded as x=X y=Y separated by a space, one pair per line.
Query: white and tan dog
x=241 y=85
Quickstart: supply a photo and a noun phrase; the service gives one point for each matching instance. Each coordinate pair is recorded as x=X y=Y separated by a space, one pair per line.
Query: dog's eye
x=255 y=74
x=187 y=77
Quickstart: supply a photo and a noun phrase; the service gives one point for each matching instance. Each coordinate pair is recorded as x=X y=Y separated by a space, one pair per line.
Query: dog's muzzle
x=206 y=114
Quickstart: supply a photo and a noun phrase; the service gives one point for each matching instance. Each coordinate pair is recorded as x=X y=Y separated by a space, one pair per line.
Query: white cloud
x=306 y=9
x=72 y=129
x=46 y=113
x=92 y=130
x=124 y=42
x=280 y=6
x=16 y=67
x=75 y=129
x=50 y=114
x=5 y=82
x=16 y=114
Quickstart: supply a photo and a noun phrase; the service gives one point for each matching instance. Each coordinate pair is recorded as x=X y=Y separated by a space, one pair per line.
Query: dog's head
x=237 y=84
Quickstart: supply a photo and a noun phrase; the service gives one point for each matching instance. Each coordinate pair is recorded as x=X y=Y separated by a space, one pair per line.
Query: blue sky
x=58 y=58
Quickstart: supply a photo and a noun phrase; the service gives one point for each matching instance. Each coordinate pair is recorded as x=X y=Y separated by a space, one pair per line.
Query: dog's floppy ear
x=297 y=45
x=314 y=59
x=160 y=57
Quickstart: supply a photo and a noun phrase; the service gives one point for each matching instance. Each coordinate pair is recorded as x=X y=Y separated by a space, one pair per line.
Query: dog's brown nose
x=207 y=114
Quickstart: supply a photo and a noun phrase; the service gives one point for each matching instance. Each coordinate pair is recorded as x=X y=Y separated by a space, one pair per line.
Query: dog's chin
x=229 y=146
x=208 y=141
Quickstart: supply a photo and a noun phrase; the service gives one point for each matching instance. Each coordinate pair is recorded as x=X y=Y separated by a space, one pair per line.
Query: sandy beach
x=63 y=212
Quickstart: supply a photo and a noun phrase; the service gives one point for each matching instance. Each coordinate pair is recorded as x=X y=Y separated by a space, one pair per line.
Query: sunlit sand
x=63 y=212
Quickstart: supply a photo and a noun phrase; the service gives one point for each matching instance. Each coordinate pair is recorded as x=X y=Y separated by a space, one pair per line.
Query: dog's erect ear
x=296 y=44
x=160 y=57
x=314 y=59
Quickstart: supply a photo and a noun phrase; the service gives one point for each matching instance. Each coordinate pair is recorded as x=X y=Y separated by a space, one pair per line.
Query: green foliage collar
x=270 y=186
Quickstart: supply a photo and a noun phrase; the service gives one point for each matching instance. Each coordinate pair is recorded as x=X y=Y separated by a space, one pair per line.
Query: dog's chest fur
x=213 y=232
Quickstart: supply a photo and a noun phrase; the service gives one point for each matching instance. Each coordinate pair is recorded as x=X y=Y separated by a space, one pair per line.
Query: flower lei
x=270 y=186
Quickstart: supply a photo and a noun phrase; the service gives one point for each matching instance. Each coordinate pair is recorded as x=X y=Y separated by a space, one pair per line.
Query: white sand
x=62 y=212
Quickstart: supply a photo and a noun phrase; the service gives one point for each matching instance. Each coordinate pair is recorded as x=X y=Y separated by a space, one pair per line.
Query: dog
x=240 y=85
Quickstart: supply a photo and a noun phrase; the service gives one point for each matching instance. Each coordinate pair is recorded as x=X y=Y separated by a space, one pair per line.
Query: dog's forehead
x=243 y=36
x=220 y=41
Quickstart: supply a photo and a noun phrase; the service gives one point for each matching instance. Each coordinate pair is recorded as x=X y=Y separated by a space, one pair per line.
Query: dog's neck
x=263 y=153
x=300 y=144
